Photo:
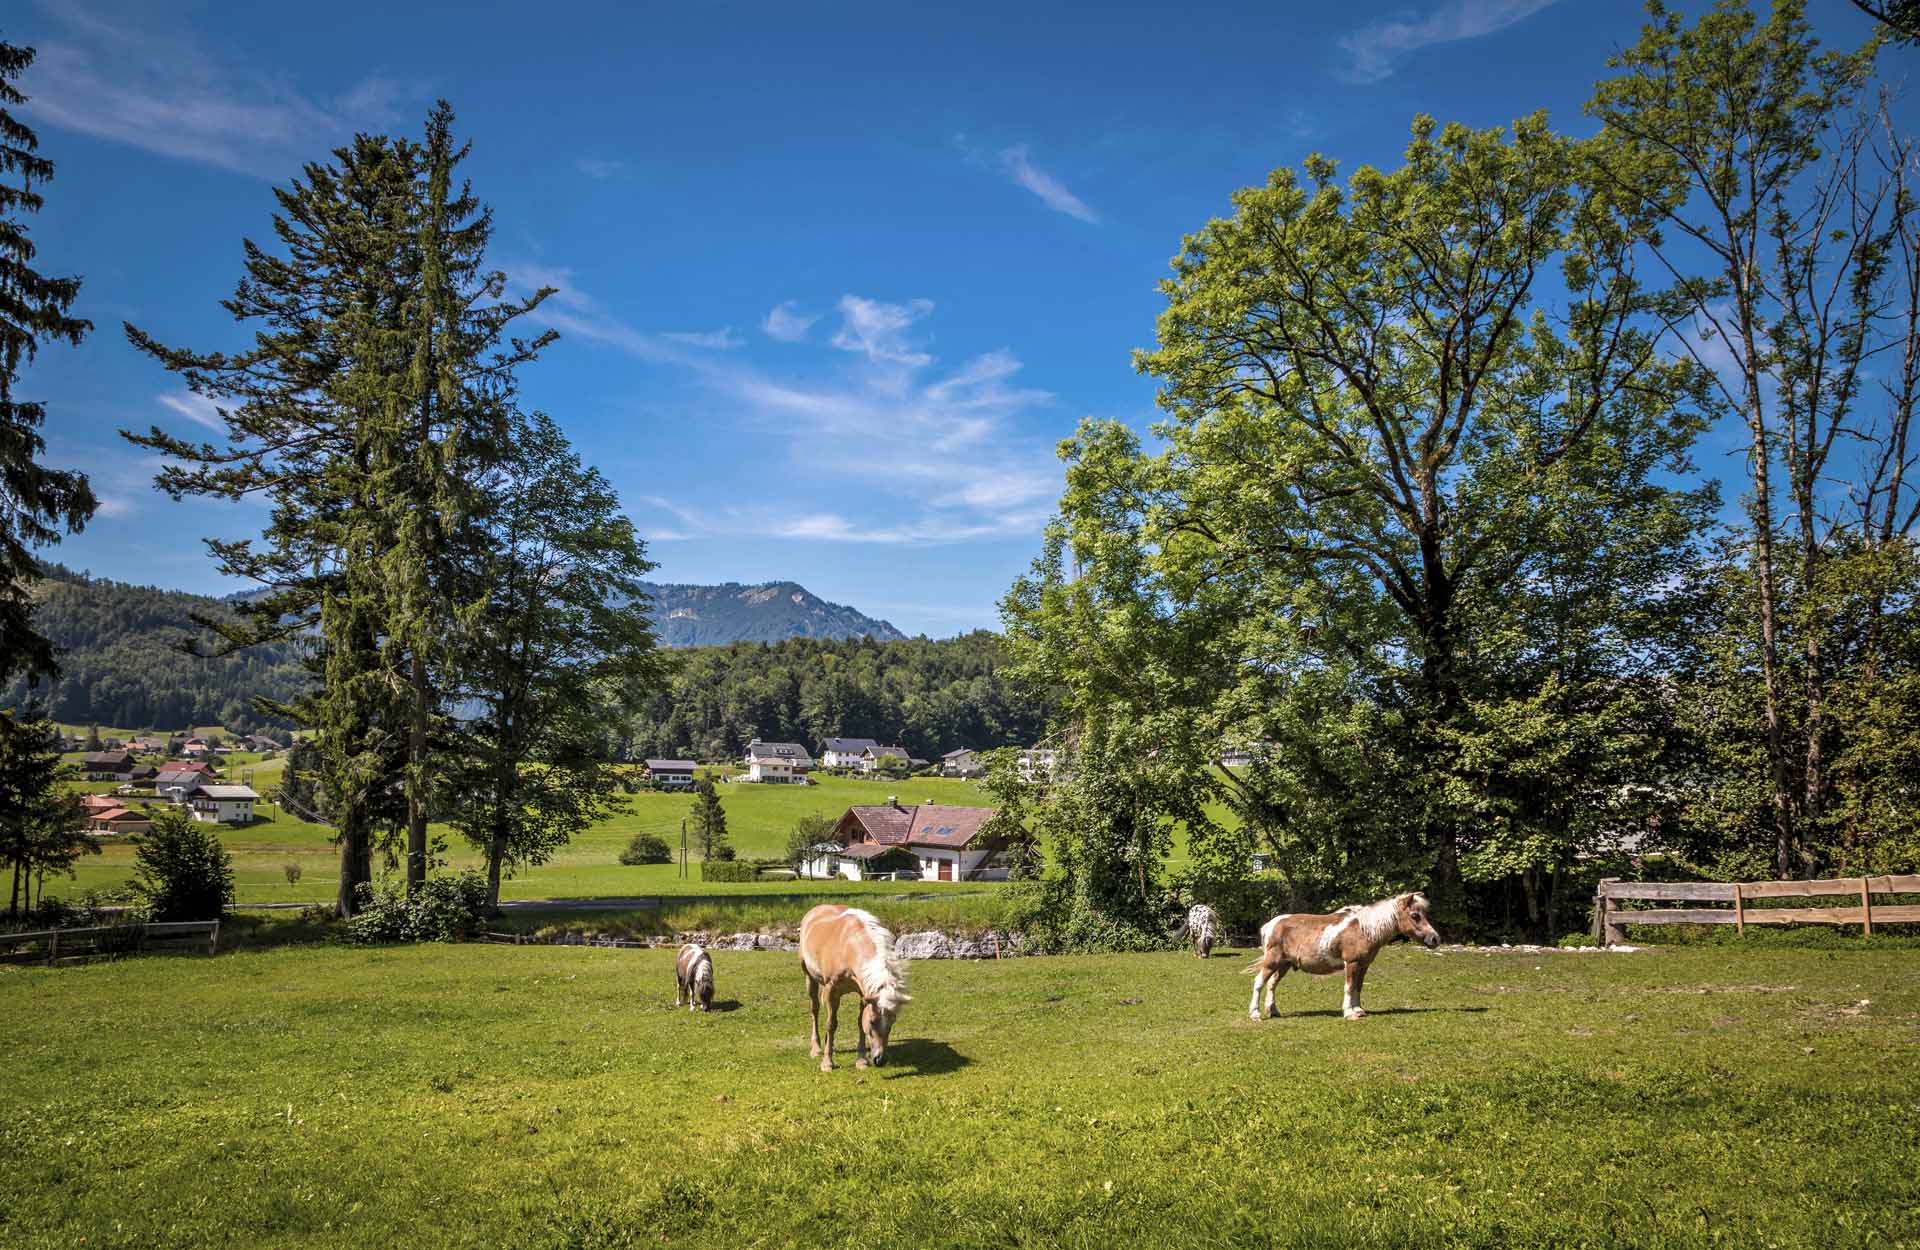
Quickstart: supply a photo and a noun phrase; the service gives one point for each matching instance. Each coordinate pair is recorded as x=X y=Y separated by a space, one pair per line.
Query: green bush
x=181 y=870
x=443 y=909
x=647 y=848
x=728 y=870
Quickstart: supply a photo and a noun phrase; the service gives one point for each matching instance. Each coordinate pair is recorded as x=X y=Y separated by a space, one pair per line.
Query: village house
x=671 y=774
x=943 y=843
x=147 y=744
x=1039 y=764
x=780 y=763
x=194 y=747
x=844 y=752
x=226 y=805
x=874 y=757
x=964 y=762
x=107 y=765
x=94 y=804
x=119 y=821
x=174 y=781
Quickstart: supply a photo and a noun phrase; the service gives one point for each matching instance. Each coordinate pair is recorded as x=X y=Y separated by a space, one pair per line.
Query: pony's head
x=877 y=1015
x=1411 y=913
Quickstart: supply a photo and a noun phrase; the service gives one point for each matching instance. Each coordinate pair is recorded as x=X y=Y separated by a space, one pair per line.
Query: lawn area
x=551 y=1097
x=758 y=817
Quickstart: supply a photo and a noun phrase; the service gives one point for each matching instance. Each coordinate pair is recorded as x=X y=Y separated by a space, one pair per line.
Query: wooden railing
x=52 y=945
x=1609 y=919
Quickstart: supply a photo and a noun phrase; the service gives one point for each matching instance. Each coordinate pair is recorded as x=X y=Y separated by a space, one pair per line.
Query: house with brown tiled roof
x=106 y=765
x=949 y=843
x=119 y=820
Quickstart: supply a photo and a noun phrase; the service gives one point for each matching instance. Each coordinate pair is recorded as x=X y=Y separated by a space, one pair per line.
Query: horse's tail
x=1255 y=965
x=1180 y=934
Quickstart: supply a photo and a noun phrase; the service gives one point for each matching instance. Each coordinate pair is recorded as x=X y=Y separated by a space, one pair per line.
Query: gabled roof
x=99 y=802
x=177 y=777
x=876 y=751
x=226 y=792
x=672 y=766
x=792 y=752
x=107 y=757
x=962 y=751
x=846 y=746
x=937 y=824
x=118 y=813
x=878 y=822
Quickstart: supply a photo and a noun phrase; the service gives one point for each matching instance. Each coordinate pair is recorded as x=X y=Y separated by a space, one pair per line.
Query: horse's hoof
x=814 y=1051
x=827 y=1066
x=1254 y=1016
x=859 y=1063
x=1354 y=1013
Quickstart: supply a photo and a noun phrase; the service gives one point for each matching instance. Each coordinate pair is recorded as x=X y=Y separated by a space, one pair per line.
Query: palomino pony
x=693 y=978
x=842 y=949
x=1349 y=938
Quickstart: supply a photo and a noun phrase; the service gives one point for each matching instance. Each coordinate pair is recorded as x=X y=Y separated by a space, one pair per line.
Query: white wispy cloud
x=1017 y=164
x=195 y=408
x=786 y=323
x=594 y=168
x=723 y=339
x=155 y=90
x=879 y=329
x=575 y=313
x=113 y=507
x=1376 y=48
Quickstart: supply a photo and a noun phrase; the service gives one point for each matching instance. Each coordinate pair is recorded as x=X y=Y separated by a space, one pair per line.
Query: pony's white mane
x=703 y=968
x=1380 y=920
x=883 y=977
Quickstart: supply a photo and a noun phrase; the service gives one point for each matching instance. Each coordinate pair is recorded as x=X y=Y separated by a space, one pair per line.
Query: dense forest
x=930 y=697
x=121 y=662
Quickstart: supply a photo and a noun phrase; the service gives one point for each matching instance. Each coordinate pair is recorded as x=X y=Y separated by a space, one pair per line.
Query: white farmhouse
x=226 y=805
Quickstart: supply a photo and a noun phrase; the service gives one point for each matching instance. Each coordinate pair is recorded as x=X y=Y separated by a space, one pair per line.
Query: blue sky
x=834 y=278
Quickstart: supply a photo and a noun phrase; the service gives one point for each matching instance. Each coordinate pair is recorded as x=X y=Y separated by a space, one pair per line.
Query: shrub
x=443 y=909
x=181 y=870
x=647 y=848
x=728 y=870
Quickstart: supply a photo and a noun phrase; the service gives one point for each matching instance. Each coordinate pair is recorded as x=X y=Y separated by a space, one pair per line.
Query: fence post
x=1600 y=902
x=53 y=947
x=1740 y=908
x=1866 y=905
x=213 y=941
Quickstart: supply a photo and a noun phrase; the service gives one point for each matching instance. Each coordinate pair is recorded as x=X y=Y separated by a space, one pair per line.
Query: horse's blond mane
x=883 y=977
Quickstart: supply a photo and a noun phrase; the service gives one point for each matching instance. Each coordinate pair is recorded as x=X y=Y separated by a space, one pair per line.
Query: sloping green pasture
x=759 y=818
x=550 y=1097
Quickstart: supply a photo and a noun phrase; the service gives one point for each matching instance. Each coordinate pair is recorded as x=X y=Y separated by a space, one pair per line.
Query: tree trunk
x=1764 y=575
x=417 y=777
x=356 y=868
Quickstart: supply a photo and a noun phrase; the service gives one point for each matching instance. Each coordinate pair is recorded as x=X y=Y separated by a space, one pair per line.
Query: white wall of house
x=966 y=865
x=821 y=864
x=776 y=771
x=223 y=811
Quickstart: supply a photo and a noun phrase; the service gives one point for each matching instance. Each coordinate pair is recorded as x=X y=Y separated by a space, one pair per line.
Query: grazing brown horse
x=693 y=978
x=842 y=949
x=1349 y=939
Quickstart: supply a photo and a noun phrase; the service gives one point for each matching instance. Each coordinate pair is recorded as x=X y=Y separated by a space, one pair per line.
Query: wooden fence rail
x=1609 y=919
x=52 y=945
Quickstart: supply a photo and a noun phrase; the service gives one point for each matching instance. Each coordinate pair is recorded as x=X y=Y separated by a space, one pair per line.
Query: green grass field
x=550 y=1097
x=758 y=817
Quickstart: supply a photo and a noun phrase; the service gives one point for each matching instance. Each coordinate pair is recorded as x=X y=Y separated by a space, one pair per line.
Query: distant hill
x=121 y=666
x=706 y=616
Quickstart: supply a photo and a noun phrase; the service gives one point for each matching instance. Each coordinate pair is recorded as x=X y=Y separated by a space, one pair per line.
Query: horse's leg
x=813 y=1038
x=1356 y=976
x=833 y=1022
x=679 y=987
x=860 y=1048
x=1259 y=983
x=1272 y=985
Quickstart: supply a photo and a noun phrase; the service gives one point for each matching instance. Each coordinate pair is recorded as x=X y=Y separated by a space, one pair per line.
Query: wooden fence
x=50 y=946
x=1609 y=920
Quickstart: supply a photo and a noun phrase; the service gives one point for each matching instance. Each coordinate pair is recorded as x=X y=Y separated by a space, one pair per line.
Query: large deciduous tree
x=37 y=503
x=1397 y=408
x=1786 y=213
x=557 y=645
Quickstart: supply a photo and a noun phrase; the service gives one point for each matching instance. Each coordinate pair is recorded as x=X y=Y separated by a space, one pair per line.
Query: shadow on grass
x=1335 y=1013
x=922 y=1058
x=726 y=1004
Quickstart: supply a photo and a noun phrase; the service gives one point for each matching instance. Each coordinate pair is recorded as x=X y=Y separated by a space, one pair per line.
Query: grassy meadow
x=551 y=1097
x=759 y=818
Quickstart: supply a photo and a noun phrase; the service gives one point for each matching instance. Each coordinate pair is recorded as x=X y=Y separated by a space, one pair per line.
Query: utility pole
x=683 y=846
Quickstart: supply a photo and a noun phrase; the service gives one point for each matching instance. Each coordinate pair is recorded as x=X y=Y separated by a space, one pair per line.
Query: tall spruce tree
x=40 y=502
x=709 y=822
x=40 y=820
x=324 y=417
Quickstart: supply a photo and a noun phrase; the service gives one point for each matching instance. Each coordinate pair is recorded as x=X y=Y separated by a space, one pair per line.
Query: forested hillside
x=930 y=697
x=121 y=664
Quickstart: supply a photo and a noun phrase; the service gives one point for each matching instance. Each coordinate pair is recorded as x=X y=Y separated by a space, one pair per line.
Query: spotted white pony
x=1202 y=926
